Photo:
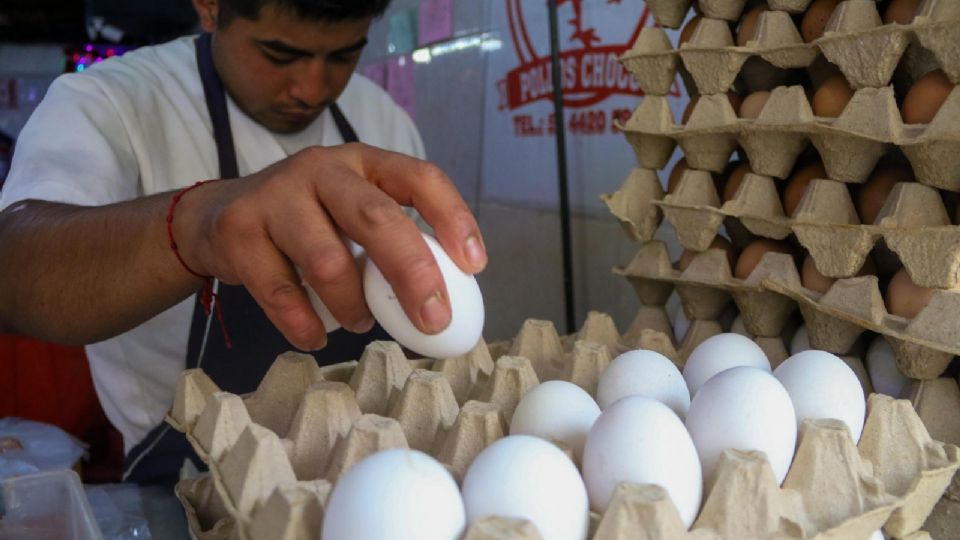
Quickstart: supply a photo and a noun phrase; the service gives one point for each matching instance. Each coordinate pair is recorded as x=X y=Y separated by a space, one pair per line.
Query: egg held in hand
x=466 y=305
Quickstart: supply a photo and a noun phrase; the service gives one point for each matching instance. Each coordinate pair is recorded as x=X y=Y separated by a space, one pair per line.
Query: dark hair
x=321 y=10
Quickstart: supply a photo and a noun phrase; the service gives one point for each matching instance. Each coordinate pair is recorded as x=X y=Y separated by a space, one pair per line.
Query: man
x=106 y=236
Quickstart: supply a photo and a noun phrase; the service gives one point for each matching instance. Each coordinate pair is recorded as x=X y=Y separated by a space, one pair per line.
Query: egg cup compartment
x=707 y=285
x=850 y=146
x=633 y=207
x=669 y=13
x=913 y=223
x=855 y=39
x=936 y=402
x=651 y=61
x=207 y=518
x=923 y=346
x=865 y=50
x=648 y=132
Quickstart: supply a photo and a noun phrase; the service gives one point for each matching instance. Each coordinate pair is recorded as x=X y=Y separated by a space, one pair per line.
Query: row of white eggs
x=650 y=424
x=879 y=360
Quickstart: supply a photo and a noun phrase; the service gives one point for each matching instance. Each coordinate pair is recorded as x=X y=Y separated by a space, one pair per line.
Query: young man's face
x=281 y=70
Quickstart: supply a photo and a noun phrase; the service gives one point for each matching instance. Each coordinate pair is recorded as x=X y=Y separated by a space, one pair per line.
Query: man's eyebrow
x=352 y=48
x=281 y=47
x=278 y=46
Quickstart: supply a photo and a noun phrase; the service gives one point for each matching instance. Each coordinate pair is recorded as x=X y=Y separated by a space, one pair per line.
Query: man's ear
x=207 y=10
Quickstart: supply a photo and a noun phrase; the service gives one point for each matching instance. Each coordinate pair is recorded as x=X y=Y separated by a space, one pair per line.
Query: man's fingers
x=424 y=186
x=306 y=235
x=394 y=243
x=275 y=286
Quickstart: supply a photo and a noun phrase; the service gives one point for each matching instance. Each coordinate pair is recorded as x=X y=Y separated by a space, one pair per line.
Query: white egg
x=528 y=478
x=882 y=368
x=375 y=500
x=640 y=440
x=556 y=411
x=821 y=385
x=719 y=353
x=681 y=324
x=800 y=341
x=466 y=304
x=743 y=408
x=644 y=373
x=329 y=322
x=877 y=535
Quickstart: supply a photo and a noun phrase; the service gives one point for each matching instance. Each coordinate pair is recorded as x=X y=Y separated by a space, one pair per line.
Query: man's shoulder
x=140 y=71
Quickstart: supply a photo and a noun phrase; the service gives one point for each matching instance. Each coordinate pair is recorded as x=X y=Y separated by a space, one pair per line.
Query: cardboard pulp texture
x=276 y=454
x=923 y=346
x=865 y=50
x=850 y=145
x=913 y=222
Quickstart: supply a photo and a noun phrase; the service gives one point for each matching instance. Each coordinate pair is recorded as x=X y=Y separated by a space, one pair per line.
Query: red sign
x=590 y=72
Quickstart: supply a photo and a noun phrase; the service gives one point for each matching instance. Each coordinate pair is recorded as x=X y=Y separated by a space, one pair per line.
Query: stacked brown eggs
x=820 y=175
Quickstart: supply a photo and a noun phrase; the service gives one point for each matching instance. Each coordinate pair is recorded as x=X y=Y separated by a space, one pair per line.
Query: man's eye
x=345 y=58
x=278 y=60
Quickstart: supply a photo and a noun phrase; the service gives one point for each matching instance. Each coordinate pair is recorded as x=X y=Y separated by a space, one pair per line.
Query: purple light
x=89 y=48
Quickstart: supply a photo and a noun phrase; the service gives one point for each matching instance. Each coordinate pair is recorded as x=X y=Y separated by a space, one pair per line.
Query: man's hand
x=253 y=230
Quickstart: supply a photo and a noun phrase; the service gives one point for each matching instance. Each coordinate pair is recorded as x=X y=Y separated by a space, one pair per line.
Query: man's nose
x=310 y=85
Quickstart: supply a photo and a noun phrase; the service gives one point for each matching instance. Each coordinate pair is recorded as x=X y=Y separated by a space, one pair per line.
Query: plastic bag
x=27 y=447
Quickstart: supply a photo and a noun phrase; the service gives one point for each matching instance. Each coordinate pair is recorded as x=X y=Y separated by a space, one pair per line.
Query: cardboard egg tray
x=275 y=455
x=923 y=346
x=913 y=222
x=855 y=40
x=850 y=145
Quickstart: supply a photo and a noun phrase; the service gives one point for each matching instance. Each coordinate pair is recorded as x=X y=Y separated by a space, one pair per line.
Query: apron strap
x=159 y=456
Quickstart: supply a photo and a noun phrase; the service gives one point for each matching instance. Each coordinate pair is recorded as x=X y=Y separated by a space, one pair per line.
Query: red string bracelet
x=208 y=299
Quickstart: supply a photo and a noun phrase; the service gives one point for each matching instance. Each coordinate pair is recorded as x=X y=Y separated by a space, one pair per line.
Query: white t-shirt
x=138 y=125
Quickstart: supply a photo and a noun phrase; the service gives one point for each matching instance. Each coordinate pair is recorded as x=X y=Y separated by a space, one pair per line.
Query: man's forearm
x=76 y=275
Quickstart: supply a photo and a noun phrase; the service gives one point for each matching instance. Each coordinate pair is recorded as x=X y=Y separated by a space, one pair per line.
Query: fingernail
x=475 y=252
x=434 y=313
x=363 y=326
x=319 y=344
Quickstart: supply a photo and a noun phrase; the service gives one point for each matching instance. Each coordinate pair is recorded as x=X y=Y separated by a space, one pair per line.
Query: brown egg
x=904 y=297
x=797 y=185
x=751 y=255
x=812 y=278
x=748 y=24
x=732 y=97
x=901 y=11
x=676 y=174
x=815 y=281
x=874 y=192
x=687 y=32
x=753 y=104
x=719 y=242
x=832 y=96
x=925 y=97
x=815 y=19
x=734 y=180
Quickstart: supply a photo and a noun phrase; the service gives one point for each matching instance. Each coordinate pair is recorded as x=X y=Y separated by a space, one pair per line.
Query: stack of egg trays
x=275 y=454
x=914 y=223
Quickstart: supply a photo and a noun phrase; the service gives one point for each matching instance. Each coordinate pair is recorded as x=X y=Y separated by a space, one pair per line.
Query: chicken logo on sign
x=589 y=68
